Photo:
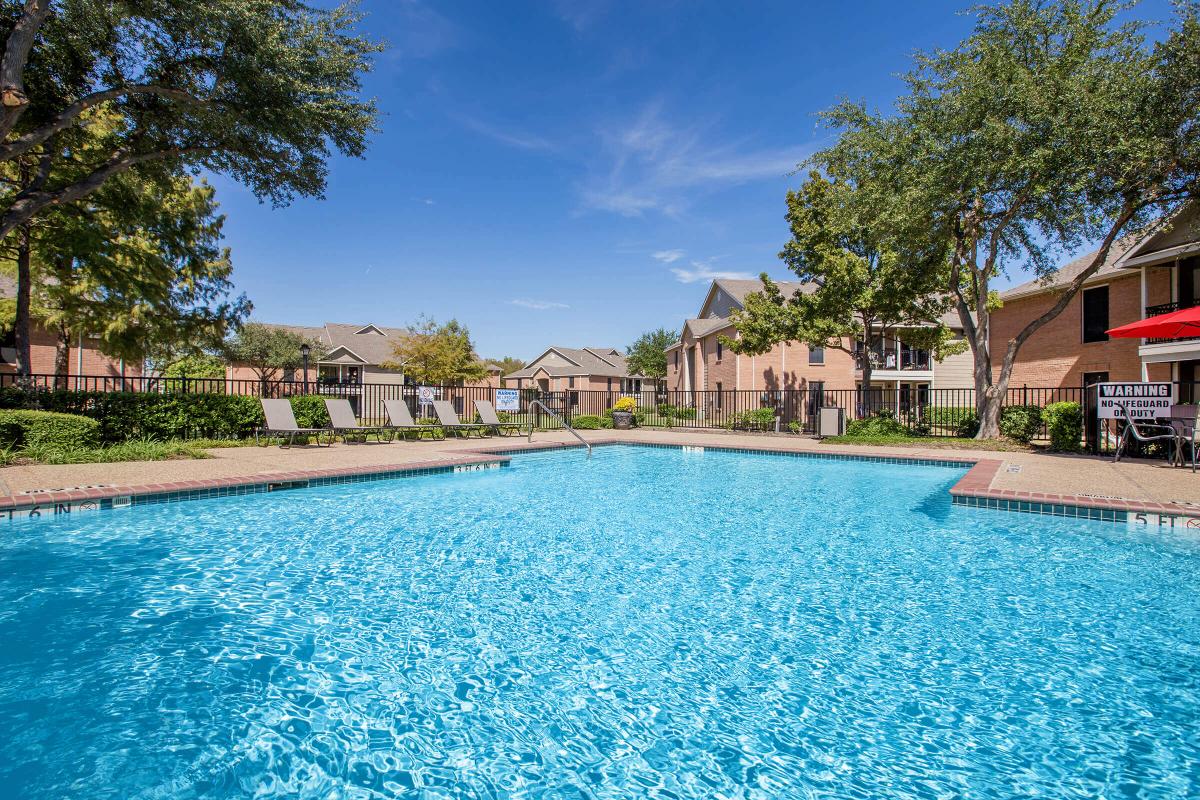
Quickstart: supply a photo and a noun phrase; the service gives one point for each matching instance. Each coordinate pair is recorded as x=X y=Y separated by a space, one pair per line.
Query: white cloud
x=668 y=256
x=537 y=305
x=512 y=138
x=650 y=164
x=702 y=271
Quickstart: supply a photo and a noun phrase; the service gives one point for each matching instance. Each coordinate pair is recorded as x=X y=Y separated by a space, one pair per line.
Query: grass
x=928 y=442
x=133 y=450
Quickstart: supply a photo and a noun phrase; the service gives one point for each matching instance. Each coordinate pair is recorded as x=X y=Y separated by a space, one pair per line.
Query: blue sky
x=572 y=172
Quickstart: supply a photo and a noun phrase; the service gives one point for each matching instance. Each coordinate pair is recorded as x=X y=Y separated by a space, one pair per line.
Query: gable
x=369 y=330
x=1176 y=237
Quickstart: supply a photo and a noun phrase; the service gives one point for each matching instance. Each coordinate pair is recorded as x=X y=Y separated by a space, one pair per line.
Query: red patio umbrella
x=1173 y=325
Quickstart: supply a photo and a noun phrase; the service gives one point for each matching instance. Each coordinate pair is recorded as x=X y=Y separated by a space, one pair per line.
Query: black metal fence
x=920 y=410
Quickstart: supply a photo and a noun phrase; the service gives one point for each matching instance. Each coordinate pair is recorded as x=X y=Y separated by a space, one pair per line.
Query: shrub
x=625 y=404
x=310 y=411
x=639 y=416
x=755 y=419
x=961 y=420
x=586 y=422
x=47 y=429
x=1064 y=422
x=882 y=425
x=676 y=412
x=1020 y=423
x=795 y=427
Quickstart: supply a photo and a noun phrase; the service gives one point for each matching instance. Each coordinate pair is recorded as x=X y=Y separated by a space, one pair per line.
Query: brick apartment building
x=1145 y=275
x=699 y=363
x=84 y=356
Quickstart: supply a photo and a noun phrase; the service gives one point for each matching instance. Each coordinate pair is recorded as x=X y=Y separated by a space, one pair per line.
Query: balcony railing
x=891 y=359
x=1167 y=308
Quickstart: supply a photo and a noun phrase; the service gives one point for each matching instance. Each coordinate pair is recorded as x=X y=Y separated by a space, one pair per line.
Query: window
x=571 y=382
x=1095 y=314
x=719 y=403
x=816 y=355
x=720 y=349
x=676 y=359
x=610 y=384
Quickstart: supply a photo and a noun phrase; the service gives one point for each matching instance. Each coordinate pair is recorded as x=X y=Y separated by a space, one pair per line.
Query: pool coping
x=972 y=490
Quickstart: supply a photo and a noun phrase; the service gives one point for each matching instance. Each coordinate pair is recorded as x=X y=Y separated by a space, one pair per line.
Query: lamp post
x=304 y=351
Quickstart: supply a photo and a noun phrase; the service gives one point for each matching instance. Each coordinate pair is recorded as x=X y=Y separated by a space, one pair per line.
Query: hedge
x=882 y=425
x=1064 y=423
x=22 y=428
x=123 y=416
x=1020 y=423
x=586 y=422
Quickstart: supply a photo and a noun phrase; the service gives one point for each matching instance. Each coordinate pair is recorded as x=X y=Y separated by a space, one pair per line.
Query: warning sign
x=1141 y=400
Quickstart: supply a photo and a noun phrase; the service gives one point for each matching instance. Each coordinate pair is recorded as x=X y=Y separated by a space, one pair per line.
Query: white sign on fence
x=1142 y=400
x=507 y=400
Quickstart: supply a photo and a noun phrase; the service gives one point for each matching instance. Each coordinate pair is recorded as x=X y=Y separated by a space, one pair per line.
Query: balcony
x=895 y=357
x=1167 y=308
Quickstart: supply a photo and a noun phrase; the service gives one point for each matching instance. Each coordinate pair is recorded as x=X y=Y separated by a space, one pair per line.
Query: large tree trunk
x=21 y=325
x=867 y=369
x=62 y=357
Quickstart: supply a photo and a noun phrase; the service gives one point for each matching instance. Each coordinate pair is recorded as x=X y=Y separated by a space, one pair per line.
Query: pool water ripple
x=647 y=623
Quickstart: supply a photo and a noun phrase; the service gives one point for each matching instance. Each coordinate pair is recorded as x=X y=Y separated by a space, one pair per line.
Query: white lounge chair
x=343 y=421
x=451 y=423
x=491 y=420
x=400 y=420
x=282 y=422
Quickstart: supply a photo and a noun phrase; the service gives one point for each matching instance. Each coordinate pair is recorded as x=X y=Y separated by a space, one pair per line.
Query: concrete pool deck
x=1021 y=481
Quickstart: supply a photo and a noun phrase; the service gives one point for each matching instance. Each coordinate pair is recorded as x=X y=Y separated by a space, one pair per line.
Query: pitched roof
x=350 y=343
x=1071 y=270
x=703 y=327
x=738 y=288
x=605 y=362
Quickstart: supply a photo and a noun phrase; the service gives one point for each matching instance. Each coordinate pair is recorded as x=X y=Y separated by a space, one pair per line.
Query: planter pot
x=622 y=420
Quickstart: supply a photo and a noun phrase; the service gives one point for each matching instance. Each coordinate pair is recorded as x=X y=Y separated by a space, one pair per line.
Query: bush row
x=124 y=416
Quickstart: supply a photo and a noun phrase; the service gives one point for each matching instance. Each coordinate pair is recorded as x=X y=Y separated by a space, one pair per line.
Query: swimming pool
x=647 y=623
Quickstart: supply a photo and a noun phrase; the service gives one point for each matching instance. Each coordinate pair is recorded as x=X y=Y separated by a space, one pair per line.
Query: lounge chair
x=400 y=420
x=1144 y=432
x=490 y=420
x=282 y=422
x=343 y=421
x=450 y=422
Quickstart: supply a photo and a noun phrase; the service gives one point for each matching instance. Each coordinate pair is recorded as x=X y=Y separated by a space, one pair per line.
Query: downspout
x=79 y=361
x=1142 y=341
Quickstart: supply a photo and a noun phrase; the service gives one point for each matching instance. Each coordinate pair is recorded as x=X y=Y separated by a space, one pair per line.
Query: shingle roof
x=1070 y=271
x=703 y=327
x=606 y=362
x=369 y=347
x=738 y=288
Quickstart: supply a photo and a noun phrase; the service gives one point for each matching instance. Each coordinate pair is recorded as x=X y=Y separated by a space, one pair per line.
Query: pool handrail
x=560 y=418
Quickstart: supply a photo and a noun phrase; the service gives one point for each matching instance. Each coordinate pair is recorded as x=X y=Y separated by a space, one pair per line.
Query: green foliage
x=587 y=422
x=755 y=419
x=1020 y=423
x=142 y=415
x=795 y=427
x=1016 y=145
x=882 y=425
x=1064 y=422
x=269 y=350
x=508 y=365
x=310 y=411
x=202 y=365
x=262 y=92
x=676 y=412
x=639 y=416
x=963 y=421
x=47 y=429
x=133 y=450
x=437 y=354
x=647 y=356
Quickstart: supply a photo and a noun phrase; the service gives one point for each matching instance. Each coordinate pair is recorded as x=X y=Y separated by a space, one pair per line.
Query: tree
x=139 y=266
x=260 y=90
x=648 y=354
x=867 y=271
x=508 y=365
x=200 y=365
x=268 y=350
x=437 y=354
x=1050 y=127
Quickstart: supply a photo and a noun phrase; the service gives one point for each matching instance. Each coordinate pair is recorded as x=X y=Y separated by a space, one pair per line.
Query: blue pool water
x=649 y=623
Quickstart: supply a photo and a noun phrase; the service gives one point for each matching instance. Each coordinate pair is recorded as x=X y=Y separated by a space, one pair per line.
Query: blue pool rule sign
x=506 y=400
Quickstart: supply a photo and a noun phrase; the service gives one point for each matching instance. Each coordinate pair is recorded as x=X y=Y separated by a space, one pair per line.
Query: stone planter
x=622 y=420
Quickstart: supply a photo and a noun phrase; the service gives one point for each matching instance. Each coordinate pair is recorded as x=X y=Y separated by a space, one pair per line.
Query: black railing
x=920 y=410
x=1167 y=308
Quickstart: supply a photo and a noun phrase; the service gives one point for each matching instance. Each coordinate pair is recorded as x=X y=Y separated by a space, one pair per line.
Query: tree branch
x=29 y=202
x=12 y=67
x=70 y=114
